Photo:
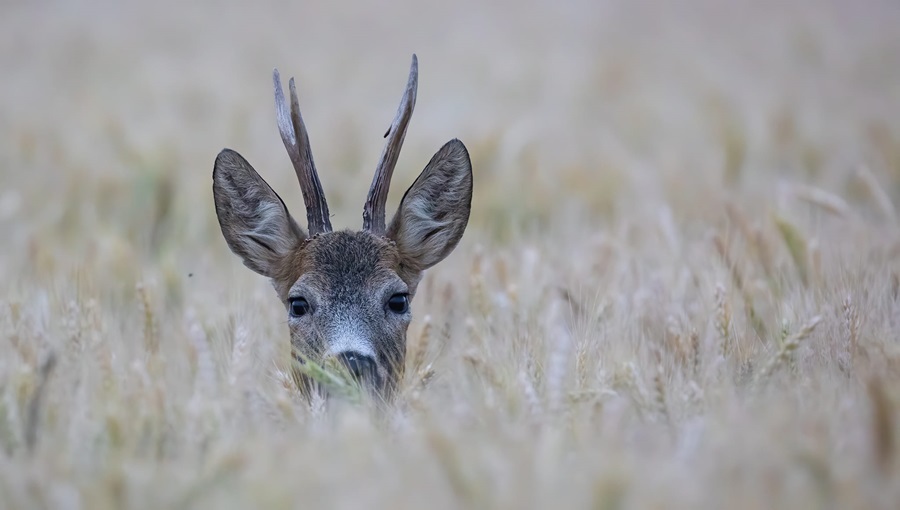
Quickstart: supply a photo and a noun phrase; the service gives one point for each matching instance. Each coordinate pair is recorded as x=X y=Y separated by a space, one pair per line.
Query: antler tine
x=373 y=212
x=296 y=141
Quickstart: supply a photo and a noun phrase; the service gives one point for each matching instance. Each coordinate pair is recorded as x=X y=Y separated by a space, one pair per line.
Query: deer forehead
x=342 y=264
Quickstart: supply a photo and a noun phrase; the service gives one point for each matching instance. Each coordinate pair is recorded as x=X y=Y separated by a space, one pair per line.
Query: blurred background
x=111 y=113
x=675 y=201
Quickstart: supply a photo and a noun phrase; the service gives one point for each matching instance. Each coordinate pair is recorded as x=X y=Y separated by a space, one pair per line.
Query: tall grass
x=678 y=289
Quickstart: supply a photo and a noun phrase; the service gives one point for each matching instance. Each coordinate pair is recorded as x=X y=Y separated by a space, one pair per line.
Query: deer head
x=347 y=294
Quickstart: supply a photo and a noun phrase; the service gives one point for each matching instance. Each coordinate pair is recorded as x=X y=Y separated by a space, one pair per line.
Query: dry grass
x=679 y=287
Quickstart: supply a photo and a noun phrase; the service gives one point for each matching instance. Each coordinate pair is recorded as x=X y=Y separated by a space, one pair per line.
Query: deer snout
x=361 y=366
x=358 y=364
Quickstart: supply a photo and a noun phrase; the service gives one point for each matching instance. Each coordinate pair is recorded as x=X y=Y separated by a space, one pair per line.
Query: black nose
x=362 y=367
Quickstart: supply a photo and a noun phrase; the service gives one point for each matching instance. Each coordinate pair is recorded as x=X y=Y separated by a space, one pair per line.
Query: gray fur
x=346 y=277
x=350 y=277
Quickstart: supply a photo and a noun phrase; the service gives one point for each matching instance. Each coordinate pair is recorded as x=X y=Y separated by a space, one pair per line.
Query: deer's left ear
x=435 y=210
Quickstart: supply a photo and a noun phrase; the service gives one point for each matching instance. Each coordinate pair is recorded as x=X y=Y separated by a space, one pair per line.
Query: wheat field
x=679 y=286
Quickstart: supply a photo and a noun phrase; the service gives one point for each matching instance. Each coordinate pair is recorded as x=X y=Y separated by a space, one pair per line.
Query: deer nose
x=361 y=366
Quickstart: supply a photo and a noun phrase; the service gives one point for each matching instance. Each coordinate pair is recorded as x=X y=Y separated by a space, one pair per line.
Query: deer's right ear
x=254 y=220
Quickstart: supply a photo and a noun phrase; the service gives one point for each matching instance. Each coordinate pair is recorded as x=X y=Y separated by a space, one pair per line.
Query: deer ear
x=435 y=210
x=254 y=220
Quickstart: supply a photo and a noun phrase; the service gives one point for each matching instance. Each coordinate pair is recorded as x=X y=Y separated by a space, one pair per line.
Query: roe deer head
x=347 y=294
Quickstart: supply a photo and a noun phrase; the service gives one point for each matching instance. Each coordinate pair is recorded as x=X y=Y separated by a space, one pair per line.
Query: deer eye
x=299 y=307
x=398 y=303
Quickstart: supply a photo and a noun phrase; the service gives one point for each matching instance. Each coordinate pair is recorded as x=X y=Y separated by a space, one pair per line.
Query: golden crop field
x=679 y=286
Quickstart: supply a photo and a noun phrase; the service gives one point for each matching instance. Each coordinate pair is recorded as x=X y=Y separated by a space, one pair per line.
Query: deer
x=347 y=293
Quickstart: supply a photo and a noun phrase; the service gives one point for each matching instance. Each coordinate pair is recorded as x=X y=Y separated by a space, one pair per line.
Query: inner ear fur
x=434 y=211
x=254 y=220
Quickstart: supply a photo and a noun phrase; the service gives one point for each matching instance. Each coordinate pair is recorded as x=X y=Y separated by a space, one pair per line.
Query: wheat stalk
x=883 y=428
x=151 y=336
x=797 y=247
x=723 y=321
x=877 y=192
x=822 y=199
x=788 y=346
x=32 y=421
x=851 y=328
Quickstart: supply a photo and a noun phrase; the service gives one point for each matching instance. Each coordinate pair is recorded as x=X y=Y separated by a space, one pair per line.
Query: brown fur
x=347 y=279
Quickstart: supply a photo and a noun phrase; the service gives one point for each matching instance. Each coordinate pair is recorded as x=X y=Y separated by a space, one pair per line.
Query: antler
x=296 y=141
x=373 y=212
